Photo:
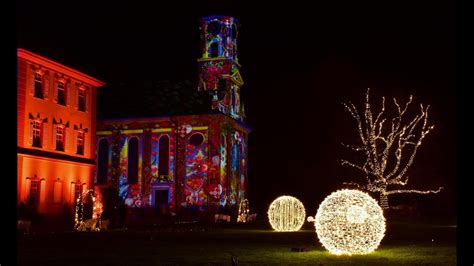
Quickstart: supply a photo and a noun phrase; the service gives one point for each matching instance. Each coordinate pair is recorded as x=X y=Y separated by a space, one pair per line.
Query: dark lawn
x=410 y=242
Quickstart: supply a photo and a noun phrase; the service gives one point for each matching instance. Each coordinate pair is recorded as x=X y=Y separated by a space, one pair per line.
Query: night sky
x=299 y=63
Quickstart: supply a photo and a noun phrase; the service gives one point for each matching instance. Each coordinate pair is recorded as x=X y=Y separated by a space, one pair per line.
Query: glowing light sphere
x=286 y=214
x=349 y=222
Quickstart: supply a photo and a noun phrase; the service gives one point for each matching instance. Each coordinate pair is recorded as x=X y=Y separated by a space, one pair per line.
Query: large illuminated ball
x=286 y=214
x=350 y=222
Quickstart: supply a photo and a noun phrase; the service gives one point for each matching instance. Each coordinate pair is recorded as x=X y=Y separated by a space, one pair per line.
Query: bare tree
x=388 y=148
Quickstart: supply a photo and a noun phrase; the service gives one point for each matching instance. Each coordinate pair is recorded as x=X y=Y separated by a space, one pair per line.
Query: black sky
x=300 y=60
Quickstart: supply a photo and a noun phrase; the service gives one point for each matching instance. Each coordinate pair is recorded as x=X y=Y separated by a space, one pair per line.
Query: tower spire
x=218 y=66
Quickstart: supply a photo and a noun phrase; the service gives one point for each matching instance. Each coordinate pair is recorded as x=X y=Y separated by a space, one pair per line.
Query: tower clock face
x=214 y=27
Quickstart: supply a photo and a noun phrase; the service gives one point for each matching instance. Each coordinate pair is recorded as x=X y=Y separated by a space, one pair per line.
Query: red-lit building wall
x=51 y=171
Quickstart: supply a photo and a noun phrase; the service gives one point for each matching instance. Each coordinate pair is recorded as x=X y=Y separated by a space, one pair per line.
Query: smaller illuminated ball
x=286 y=214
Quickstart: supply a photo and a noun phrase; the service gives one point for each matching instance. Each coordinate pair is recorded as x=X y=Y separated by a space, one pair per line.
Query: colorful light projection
x=349 y=222
x=212 y=71
x=123 y=167
x=219 y=37
x=219 y=67
x=223 y=166
x=155 y=157
x=286 y=214
x=214 y=185
x=196 y=169
x=130 y=193
x=233 y=193
x=242 y=165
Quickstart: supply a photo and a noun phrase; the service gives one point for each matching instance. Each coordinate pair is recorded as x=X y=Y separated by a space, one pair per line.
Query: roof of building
x=35 y=58
x=147 y=100
x=152 y=99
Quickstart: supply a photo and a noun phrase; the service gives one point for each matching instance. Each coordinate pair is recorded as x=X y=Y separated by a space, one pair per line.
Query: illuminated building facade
x=186 y=161
x=56 y=111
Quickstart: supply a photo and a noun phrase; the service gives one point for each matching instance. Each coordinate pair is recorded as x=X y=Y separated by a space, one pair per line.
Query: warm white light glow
x=349 y=222
x=389 y=148
x=286 y=214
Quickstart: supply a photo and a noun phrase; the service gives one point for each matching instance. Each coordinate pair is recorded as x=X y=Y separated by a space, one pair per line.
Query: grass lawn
x=408 y=242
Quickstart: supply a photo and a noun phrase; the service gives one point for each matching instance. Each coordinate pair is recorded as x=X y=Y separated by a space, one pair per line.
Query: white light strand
x=79 y=210
x=378 y=143
x=286 y=214
x=244 y=210
x=349 y=222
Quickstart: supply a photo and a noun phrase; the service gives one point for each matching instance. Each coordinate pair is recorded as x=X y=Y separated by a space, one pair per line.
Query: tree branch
x=362 y=168
x=414 y=191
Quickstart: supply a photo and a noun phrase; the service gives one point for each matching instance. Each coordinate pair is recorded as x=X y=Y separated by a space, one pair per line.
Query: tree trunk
x=383 y=200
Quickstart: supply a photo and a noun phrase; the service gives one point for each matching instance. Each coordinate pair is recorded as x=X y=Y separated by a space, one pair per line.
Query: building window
x=103 y=161
x=80 y=142
x=58 y=192
x=61 y=93
x=81 y=105
x=60 y=138
x=33 y=196
x=133 y=161
x=38 y=86
x=164 y=152
x=36 y=132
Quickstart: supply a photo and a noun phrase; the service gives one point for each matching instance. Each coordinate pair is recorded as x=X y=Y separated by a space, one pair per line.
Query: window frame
x=36 y=132
x=81 y=94
x=61 y=86
x=60 y=137
x=80 y=139
x=38 y=91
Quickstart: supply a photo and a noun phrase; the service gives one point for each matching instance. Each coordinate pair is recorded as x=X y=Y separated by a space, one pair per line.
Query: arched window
x=164 y=153
x=133 y=161
x=214 y=49
x=103 y=161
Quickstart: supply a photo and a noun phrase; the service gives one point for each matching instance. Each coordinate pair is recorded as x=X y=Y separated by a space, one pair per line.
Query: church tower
x=219 y=64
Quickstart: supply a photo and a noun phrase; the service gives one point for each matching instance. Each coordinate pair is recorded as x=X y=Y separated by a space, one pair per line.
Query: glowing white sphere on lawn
x=286 y=214
x=350 y=222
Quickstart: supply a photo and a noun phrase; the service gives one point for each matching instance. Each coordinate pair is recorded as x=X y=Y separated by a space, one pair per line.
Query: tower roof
x=219 y=17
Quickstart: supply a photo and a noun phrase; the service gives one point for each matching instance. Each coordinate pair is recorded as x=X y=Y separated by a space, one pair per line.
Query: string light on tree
x=243 y=211
x=79 y=210
x=388 y=148
x=286 y=214
x=349 y=222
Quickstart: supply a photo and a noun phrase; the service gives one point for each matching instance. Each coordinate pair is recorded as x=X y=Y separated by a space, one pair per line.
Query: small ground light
x=286 y=214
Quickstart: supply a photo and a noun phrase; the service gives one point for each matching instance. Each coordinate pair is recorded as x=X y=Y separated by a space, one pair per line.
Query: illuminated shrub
x=286 y=214
x=349 y=222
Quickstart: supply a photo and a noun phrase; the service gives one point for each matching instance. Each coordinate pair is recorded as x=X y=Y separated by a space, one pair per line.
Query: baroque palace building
x=56 y=114
x=182 y=162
